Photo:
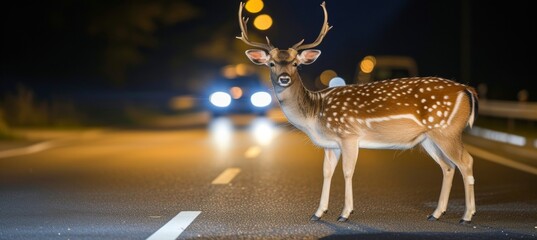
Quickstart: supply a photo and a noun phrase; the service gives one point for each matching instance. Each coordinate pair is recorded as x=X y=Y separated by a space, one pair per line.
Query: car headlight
x=261 y=99
x=220 y=99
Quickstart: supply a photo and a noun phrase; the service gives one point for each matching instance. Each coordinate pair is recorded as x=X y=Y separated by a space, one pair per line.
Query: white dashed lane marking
x=252 y=152
x=226 y=176
x=175 y=227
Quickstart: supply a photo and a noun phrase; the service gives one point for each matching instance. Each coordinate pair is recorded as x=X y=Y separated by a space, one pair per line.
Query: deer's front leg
x=349 y=149
x=331 y=157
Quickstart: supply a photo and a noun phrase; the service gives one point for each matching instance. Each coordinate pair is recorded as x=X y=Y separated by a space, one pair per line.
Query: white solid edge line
x=500 y=160
x=226 y=176
x=176 y=226
x=38 y=147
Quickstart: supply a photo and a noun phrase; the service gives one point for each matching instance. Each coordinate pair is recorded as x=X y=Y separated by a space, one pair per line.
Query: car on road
x=240 y=95
x=381 y=67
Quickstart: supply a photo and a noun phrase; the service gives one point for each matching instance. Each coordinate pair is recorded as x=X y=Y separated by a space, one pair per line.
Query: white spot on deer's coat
x=439 y=113
x=431 y=119
x=423 y=100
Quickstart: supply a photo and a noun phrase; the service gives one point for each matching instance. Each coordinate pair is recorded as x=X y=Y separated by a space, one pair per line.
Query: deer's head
x=282 y=63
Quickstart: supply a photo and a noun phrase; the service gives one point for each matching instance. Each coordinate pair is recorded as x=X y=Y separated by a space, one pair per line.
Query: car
x=375 y=68
x=240 y=95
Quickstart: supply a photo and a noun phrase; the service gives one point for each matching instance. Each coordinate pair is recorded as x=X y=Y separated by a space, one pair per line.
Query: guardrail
x=508 y=109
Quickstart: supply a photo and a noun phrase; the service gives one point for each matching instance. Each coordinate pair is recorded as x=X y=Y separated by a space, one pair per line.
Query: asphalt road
x=128 y=184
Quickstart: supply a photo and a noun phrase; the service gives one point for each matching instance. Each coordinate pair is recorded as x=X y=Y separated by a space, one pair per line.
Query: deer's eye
x=271 y=64
x=295 y=64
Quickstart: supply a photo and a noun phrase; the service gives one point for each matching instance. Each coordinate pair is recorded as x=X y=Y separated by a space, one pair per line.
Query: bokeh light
x=254 y=6
x=326 y=76
x=229 y=72
x=263 y=22
x=236 y=92
x=368 y=64
x=336 y=82
x=241 y=69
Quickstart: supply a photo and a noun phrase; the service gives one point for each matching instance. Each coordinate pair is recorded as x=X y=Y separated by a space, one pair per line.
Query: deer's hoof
x=464 y=222
x=315 y=218
x=431 y=218
x=342 y=219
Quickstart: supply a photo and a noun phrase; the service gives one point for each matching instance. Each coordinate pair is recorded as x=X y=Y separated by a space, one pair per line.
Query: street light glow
x=368 y=64
x=263 y=22
x=254 y=6
x=327 y=75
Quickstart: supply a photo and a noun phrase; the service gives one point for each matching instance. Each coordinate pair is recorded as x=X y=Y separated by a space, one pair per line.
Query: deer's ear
x=308 y=56
x=257 y=56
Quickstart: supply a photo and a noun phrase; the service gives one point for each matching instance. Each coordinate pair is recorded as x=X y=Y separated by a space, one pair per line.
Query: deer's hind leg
x=451 y=145
x=448 y=170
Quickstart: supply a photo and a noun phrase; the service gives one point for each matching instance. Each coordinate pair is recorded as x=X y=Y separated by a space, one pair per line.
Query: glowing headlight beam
x=220 y=99
x=261 y=99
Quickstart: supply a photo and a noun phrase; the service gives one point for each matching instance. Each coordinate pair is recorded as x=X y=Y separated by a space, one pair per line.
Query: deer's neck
x=297 y=102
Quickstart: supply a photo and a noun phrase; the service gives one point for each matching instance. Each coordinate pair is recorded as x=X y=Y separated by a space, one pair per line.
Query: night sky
x=58 y=46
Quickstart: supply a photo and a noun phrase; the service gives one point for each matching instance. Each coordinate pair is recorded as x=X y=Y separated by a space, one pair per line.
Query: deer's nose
x=284 y=80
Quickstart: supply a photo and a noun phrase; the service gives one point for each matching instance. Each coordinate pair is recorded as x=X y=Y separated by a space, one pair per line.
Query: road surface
x=255 y=181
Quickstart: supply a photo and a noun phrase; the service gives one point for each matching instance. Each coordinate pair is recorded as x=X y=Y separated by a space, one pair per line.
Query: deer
x=390 y=114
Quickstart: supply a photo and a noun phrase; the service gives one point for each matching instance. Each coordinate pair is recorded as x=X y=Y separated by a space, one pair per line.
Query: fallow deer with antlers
x=389 y=114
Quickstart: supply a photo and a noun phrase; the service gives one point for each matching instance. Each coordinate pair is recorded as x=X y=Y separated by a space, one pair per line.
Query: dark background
x=70 y=49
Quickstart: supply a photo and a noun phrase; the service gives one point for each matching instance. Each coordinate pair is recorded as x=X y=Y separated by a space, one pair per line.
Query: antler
x=244 y=32
x=298 y=46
